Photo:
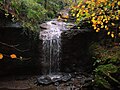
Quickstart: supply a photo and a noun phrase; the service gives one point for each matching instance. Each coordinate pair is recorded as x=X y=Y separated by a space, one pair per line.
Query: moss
x=106 y=66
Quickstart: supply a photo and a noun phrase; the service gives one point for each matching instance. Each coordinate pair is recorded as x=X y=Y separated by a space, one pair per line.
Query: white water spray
x=51 y=38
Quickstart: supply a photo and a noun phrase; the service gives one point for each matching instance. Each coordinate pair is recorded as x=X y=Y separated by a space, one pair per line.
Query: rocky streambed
x=76 y=81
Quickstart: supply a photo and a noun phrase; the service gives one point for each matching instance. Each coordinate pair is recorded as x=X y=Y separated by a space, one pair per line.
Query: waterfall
x=51 y=49
x=51 y=38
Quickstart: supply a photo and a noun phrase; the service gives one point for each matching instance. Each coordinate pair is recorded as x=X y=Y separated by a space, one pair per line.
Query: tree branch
x=18 y=58
x=14 y=47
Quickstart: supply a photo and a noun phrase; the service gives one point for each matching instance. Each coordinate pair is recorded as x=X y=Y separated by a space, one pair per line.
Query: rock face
x=49 y=79
x=75 y=50
x=14 y=40
x=74 y=54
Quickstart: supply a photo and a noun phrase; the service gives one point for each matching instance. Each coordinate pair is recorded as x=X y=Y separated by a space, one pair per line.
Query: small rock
x=66 y=77
x=44 y=80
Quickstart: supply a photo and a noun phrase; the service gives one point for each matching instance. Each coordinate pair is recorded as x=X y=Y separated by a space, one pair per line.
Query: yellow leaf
x=83 y=6
x=88 y=2
x=93 y=14
x=86 y=10
x=13 y=56
x=95 y=27
x=118 y=12
x=94 y=21
x=108 y=33
x=105 y=9
x=112 y=24
x=1 y=56
x=6 y=14
x=77 y=15
x=102 y=26
x=78 y=27
x=73 y=15
x=117 y=18
x=112 y=35
x=98 y=22
x=93 y=18
x=98 y=29
x=102 y=23
x=78 y=19
x=59 y=17
x=106 y=27
x=102 y=17
x=106 y=21
x=13 y=16
x=108 y=18
x=65 y=20
x=118 y=3
x=118 y=34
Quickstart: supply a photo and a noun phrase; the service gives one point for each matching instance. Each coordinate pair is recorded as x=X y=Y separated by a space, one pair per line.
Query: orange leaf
x=13 y=56
x=1 y=56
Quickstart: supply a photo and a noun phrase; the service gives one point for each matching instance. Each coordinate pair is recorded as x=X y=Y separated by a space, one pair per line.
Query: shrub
x=100 y=15
x=106 y=66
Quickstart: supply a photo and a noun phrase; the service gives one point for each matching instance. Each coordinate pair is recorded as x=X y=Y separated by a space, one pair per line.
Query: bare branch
x=14 y=47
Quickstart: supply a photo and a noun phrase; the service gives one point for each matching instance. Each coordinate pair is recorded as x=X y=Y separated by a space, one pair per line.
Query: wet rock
x=66 y=80
x=44 y=80
x=55 y=78
x=75 y=50
x=44 y=26
x=66 y=77
x=48 y=79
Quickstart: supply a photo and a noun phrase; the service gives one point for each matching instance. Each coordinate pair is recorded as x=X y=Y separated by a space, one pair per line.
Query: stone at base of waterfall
x=44 y=26
x=49 y=79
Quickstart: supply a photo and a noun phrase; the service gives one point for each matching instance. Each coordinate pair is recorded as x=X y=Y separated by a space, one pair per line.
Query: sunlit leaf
x=108 y=33
x=118 y=3
x=1 y=56
x=93 y=14
x=13 y=56
x=118 y=12
x=118 y=34
x=78 y=27
x=117 y=18
x=112 y=24
x=83 y=6
x=112 y=35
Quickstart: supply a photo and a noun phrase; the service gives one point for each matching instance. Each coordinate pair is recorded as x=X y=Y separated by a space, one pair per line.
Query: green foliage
x=53 y=6
x=28 y=12
x=107 y=61
x=103 y=72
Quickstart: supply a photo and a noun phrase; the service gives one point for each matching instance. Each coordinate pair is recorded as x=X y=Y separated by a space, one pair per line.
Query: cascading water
x=51 y=37
x=51 y=47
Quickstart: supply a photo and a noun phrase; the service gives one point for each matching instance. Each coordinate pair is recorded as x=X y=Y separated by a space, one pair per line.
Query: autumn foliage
x=101 y=14
x=13 y=56
x=1 y=56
